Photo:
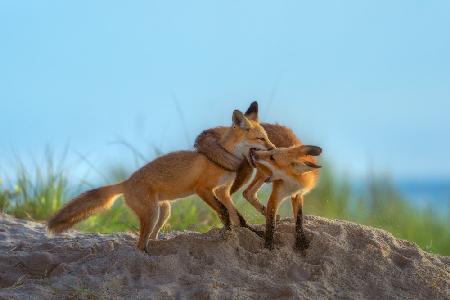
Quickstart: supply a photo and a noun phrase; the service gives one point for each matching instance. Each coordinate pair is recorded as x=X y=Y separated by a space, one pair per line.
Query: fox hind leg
x=210 y=199
x=223 y=195
x=164 y=215
x=223 y=199
x=148 y=223
x=147 y=210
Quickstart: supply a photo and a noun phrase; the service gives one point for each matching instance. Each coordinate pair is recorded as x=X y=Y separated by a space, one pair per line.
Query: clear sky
x=369 y=81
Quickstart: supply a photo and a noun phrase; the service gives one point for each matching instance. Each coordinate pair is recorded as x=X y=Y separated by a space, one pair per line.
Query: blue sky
x=369 y=81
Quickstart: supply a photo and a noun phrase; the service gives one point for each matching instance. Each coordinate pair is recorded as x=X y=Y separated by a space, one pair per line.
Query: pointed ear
x=304 y=150
x=310 y=150
x=252 y=111
x=240 y=120
x=304 y=167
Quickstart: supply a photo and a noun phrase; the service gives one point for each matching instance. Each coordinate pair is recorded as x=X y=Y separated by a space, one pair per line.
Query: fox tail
x=84 y=206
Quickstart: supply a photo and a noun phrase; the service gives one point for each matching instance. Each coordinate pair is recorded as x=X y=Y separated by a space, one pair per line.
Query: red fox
x=293 y=172
x=208 y=143
x=175 y=175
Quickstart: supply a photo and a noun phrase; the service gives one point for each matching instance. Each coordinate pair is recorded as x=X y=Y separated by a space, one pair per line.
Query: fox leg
x=147 y=210
x=223 y=194
x=250 y=193
x=148 y=223
x=272 y=207
x=295 y=205
x=301 y=242
x=242 y=221
x=210 y=199
x=243 y=175
x=222 y=211
x=164 y=215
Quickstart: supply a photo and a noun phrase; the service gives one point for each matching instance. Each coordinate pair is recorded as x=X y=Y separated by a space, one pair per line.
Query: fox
x=208 y=143
x=293 y=172
x=149 y=190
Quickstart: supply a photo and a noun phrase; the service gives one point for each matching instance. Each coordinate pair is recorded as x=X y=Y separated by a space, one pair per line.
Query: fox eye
x=271 y=157
x=261 y=139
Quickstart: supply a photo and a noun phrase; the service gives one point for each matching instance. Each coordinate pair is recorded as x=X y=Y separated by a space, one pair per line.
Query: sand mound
x=345 y=260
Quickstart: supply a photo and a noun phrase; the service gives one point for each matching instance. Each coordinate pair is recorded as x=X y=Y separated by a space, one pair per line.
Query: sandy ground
x=344 y=261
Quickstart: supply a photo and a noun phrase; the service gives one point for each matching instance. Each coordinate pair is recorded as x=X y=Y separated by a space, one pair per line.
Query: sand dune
x=345 y=260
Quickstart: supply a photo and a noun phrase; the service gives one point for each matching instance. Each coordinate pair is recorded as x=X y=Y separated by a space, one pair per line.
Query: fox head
x=287 y=164
x=246 y=133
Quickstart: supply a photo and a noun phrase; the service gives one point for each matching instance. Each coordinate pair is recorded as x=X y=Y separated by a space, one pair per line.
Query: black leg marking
x=301 y=241
x=225 y=218
x=264 y=209
x=242 y=220
x=244 y=223
x=270 y=230
x=223 y=214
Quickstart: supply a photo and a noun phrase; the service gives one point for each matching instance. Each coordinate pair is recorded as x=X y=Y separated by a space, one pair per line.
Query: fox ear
x=252 y=111
x=306 y=150
x=311 y=150
x=240 y=120
x=304 y=167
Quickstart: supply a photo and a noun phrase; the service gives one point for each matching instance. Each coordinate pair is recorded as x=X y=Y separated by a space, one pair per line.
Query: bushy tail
x=84 y=206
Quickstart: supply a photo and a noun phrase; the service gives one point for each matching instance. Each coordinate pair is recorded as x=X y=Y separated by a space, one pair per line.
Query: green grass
x=34 y=194
x=38 y=192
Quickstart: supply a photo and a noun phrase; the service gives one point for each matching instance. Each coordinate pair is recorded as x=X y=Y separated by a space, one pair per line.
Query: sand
x=345 y=261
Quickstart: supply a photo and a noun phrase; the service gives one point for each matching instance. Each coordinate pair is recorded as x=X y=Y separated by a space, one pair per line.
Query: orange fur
x=208 y=143
x=169 y=177
x=294 y=173
x=83 y=206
